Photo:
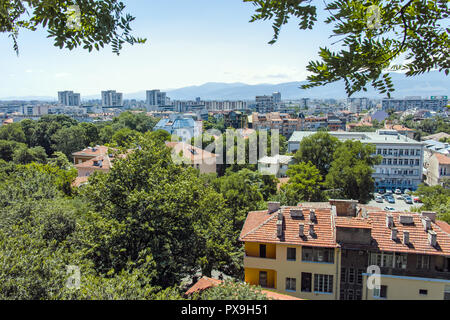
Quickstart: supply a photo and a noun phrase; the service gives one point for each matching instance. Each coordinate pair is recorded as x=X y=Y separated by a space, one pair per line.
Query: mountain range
x=429 y=84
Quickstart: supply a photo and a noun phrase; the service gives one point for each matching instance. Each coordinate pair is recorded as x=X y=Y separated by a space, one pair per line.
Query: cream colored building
x=438 y=169
x=199 y=159
x=324 y=251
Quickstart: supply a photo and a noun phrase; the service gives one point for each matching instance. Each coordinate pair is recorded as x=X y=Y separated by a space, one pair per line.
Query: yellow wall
x=252 y=250
x=407 y=288
x=252 y=277
x=292 y=269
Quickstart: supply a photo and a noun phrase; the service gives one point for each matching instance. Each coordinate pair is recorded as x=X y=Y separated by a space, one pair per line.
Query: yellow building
x=323 y=250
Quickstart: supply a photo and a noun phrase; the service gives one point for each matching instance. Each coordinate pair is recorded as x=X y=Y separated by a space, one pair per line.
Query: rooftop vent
x=273 y=206
x=301 y=229
x=312 y=214
x=389 y=221
x=432 y=238
x=279 y=228
x=406 y=219
x=311 y=229
x=406 y=237
x=296 y=213
x=426 y=223
x=429 y=214
x=394 y=232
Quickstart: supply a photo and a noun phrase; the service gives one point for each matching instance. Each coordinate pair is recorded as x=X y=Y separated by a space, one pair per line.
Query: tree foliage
x=372 y=37
x=70 y=23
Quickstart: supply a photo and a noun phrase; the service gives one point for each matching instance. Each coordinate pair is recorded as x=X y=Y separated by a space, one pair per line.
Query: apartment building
x=322 y=251
x=111 y=98
x=434 y=103
x=236 y=120
x=69 y=98
x=438 y=169
x=265 y=104
x=276 y=121
x=403 y=158
x=155 y=98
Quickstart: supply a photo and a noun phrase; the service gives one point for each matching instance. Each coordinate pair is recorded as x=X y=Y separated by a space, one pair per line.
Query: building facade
x=323 y=251
x=402 y=157
x=69 y=98
x=111 y=98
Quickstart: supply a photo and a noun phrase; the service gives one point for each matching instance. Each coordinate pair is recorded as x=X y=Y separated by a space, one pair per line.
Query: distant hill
x=430 y=84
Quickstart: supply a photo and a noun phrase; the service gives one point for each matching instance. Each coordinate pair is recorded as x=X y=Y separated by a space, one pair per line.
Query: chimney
x=273 y=206
x=426 y=221
x=312 y=214
x=301 y=230
x=279 y=228
x=432 y=238
x=429 y=214
x=406 y=237
x=311 y=229
x=296 y=213
x=389 y=221
x=394 y=232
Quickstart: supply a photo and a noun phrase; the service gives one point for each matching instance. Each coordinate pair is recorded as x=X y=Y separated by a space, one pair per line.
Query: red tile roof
x=260 y=226
x=442 y=159
x=186 y=149
x=92 y=152
x=267 y=230
x=206 y=283
x=106 y=163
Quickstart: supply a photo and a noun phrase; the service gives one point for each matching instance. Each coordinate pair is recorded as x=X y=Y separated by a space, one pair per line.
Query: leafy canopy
x=372 y=36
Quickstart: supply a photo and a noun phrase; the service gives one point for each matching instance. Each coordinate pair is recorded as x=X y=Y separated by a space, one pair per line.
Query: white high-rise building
x=156 y=98
x=69 y=98
x=111 y=98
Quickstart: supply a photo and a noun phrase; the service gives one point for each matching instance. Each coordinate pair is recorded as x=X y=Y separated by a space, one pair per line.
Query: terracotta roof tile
x=353 y=222
x=442 y=159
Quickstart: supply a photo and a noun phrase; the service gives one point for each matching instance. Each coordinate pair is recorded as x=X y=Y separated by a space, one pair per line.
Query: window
x=343 y=275
x=423 y=292
x=380 y=292
x=400 y=260
x=262 y=250
x=263 y=278
x=323 y=283
x=291 y=254
x=350 y=295
x=310 y=254
x=306 y=281
x=359 y=279
x=423 y=262
x=388 y=259
x=290 y=284
x=351 y=275
x=358 y=295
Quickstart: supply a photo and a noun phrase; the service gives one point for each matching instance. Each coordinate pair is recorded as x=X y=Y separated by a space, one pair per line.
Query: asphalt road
x=399 y=205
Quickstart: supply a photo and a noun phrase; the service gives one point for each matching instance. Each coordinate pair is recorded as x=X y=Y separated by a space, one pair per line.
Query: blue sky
x=190 y=42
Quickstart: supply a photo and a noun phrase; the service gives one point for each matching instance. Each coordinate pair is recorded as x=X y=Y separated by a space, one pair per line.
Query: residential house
x=324 y=251
x=196 y=157
x=276 y=165
x=438 y=169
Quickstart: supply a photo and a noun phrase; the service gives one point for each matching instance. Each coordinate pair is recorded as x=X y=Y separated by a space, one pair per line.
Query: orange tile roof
x=79 y=181
x=442 y=159
x=267 y=230
x=106 y=163
x=417 y=235
x=206 y=283
x=260 y=226
x=353 y=222
x=186 y=148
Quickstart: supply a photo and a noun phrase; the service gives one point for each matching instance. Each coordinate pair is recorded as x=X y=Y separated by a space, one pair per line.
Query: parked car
x=398 y=191
x=407 y=191
x=389 y=209
x=381 y=191
x=379 y=199
x=390 y=199
x=399 y=197
x=388 y=191
x=417 y=199
x=408 y=200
